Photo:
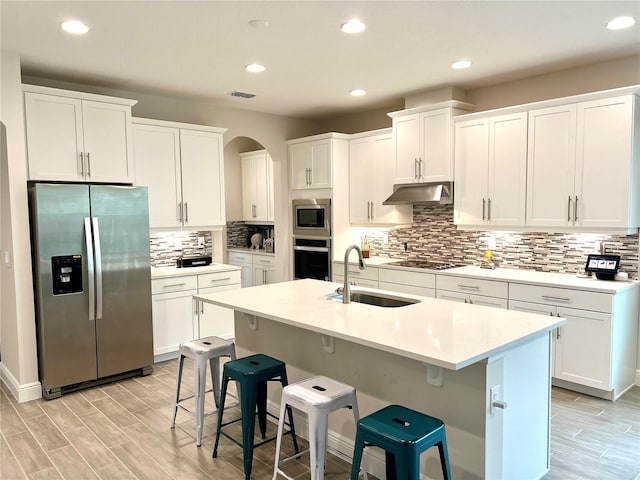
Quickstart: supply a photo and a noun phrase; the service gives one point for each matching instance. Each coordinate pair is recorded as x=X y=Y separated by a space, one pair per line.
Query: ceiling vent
x=241 y=94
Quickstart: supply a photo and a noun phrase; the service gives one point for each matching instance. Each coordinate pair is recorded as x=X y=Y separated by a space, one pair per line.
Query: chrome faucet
x=346 y=290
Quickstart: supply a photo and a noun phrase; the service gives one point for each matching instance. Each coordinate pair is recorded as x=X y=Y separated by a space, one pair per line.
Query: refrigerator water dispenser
x=67 y=274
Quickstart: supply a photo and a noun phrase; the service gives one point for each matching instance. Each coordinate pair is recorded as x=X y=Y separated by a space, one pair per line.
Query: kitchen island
x=485 y=372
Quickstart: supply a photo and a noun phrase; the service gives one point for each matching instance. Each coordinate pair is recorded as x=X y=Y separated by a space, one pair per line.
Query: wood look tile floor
x=121 y=431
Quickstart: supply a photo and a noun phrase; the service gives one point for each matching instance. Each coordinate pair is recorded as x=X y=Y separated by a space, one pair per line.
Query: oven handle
x=311 y=249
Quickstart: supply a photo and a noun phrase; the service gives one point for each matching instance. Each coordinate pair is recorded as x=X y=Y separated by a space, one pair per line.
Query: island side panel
x=380 y=378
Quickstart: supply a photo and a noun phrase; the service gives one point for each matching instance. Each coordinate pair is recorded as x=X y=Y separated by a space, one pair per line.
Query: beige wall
x=18 y=340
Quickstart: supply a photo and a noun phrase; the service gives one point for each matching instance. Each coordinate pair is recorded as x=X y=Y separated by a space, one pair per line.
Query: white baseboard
x=22 y=393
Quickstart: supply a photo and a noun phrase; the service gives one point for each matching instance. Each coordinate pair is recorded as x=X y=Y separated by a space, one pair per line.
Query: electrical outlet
x=385 y=238
x=178 y=244
x=200 y=241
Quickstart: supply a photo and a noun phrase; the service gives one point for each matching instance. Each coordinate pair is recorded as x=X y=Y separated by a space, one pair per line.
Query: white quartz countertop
x=530 y=277
x=253 y=251
x=438 y=332
x=162 y=272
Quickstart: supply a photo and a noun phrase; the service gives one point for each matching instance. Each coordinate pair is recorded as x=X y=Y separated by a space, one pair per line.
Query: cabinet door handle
x=253 y=211
x=483 y=207
x=558 y=299
x=469 y=287
x=180 y=212
x=310 y=176
x=88 y=164
x=415 y=168
x=569 y=210
x=575 y=210
x=420 y=175
x=186 y=212
x=489 y=209
x=82 y=164
x=371 y=210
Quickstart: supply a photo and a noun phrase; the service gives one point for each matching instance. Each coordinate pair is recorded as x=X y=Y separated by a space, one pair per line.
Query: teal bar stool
x=252 y=374
x=403 y=434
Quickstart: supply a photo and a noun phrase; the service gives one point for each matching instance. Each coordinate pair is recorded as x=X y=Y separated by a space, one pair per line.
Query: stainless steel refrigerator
x=92 y=283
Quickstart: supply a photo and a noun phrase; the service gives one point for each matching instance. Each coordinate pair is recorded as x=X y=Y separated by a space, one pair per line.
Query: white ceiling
x=198 y=49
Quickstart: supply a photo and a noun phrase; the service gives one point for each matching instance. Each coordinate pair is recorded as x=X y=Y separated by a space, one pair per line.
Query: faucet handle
x=339 y=290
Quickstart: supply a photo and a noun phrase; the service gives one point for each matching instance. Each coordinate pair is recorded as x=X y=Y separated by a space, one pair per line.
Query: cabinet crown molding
x=167 y=123
x=322 y=136
x=434 y=106
x=59 y=92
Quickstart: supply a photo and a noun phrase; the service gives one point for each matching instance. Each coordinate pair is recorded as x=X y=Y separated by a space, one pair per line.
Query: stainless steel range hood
x=421 y=193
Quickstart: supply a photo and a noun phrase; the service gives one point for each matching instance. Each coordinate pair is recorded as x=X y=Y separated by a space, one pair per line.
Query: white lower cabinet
x=403 y=281
x=176 y=318
x=596 y=347
x=489 y=293
x=257 y=269
x=173 y=312
x=361 y=278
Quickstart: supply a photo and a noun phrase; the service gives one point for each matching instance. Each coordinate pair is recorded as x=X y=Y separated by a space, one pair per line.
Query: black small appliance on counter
x=604 y=266
x=194 y=261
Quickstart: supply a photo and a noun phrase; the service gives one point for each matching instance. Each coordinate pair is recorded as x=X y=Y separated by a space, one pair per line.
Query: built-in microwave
x=312 y=217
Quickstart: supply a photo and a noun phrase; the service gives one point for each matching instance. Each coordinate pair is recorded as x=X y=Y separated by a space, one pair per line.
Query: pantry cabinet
x=183 y=167
x=577 y=152
x=490 y=164
x=257 y=186
x=371 y=173
x=423 y=142
x=78 y=137
x=596 y=348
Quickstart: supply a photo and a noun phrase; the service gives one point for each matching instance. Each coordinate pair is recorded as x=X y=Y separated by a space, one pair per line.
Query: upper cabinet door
x=76 y=139
x=107 y=141
x=361 y=175
x=310 y=165
x=551 y=166
x=157 y=166
x=471 y=164
x=506 y=194
x=406 y=131
x=248 y=188
x=202 y=178
x=434 y=164
x=257 y=192
x=604 y=170
x=54 y=137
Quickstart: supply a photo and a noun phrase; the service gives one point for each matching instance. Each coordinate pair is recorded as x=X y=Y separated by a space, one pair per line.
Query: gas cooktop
x=427 y=264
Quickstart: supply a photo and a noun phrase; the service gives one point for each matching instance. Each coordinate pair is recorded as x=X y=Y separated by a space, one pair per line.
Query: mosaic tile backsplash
x=433 y=236
x=237 y=234
x=166 y=247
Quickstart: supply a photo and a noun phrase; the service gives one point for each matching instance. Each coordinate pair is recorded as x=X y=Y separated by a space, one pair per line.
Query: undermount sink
x=381 y=299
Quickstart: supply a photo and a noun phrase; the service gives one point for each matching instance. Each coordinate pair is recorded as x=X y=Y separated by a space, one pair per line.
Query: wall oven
x=312 y=258
x=312 y=217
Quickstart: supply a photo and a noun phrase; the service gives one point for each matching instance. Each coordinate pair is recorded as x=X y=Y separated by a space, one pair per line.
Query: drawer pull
x=558 y=299
x=174 y=285
x=220 y=279
x=470 y=287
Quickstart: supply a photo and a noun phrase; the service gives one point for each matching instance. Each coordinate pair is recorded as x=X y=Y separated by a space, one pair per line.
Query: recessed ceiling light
x=74 y=26
x=461 y=64
x=255 y=68
x=353 y=26
x=259 y=23
x=620 y=23
x=357 y=92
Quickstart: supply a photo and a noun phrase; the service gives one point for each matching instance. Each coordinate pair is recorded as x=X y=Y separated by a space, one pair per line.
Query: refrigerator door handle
x=89 y=245
x=96 y=242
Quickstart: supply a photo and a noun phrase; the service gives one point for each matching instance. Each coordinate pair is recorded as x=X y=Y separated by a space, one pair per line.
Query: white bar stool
x=201 y=350
x=317 y=397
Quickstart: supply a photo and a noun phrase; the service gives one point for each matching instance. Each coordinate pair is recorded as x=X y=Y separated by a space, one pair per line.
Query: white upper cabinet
x=581 y=172
x=371 y=175
x=78 y=137
x=491 y=159
x=257 y=186
x=423 y=143
x=310 y=165
x=184 y=169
